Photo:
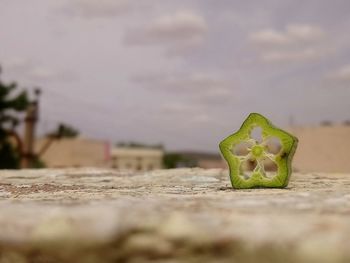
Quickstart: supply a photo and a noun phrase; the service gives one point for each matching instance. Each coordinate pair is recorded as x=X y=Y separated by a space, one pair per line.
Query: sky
x=182 y=73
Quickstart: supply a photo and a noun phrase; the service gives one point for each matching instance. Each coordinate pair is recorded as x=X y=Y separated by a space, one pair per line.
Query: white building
x=136 y=159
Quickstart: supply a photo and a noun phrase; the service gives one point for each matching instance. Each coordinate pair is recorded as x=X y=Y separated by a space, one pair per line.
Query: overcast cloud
x=183 y=73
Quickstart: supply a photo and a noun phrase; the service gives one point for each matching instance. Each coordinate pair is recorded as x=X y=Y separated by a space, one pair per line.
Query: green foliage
x=11 y=104
x=326 y=123
x=64 y=131
x=139 y=145
x=175 y=160
x=346 y=123
x=37 y=163
x=9 y=158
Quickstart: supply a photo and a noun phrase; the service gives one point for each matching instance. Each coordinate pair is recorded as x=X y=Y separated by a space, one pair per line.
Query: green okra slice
x=258 y=153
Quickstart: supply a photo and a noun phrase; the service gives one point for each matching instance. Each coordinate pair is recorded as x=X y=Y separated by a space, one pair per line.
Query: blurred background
x=143 y=85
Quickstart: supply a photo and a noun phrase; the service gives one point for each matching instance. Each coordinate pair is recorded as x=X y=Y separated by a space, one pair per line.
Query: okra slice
x=257 y=152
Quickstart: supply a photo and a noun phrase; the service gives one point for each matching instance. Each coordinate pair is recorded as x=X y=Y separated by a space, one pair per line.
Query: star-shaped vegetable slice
x=258 y=153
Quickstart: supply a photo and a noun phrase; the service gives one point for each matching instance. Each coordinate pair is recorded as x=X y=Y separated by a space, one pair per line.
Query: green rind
x=283 y=160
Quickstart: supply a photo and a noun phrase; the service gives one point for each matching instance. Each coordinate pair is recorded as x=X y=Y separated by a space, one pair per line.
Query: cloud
x=189 y=82
x=293 y=34
x=342 y=74
x=97 y=8
x=295 y=43
x=17 y=64
x=177 y=32
x=200 y=88
x=41 y=73
x=184 y=110
x=293 y=55
x=35 y=72
x=178 y=108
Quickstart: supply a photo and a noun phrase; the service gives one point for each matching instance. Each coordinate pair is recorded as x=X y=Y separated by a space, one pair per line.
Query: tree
x=133 y=144
x=326 y=123
x=64 y=131
x=11 y=105
x=346 y=123
x=176 y=160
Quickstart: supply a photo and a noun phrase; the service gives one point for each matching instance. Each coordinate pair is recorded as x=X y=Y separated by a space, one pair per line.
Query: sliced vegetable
x=257 y=152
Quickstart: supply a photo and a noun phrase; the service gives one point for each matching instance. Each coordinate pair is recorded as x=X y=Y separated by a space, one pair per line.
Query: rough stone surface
x=183 y=215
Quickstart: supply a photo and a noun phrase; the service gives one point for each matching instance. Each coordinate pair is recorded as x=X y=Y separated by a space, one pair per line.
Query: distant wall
x=75 y=152
x=322 y=149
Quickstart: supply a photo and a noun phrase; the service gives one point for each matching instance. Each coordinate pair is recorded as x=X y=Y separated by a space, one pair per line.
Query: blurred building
x=322 y=148
x=136 y=158
x=75 y=152
x=80 y=152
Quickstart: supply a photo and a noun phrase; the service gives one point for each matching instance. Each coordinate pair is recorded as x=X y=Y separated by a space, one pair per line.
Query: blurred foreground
x=182 y=215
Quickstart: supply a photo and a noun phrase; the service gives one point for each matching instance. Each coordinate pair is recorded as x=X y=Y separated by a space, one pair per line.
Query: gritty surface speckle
x=182 y=215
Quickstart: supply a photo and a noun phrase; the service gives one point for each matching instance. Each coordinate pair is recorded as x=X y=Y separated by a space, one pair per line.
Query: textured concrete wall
x=184 y=215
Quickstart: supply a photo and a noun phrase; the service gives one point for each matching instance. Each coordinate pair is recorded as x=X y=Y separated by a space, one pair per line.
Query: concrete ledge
x=183 y=215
